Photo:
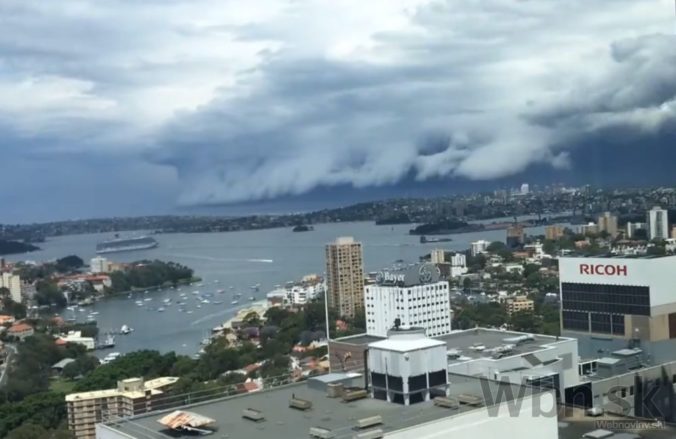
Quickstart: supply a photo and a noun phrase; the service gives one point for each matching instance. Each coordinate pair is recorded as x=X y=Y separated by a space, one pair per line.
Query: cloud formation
x=273 y=97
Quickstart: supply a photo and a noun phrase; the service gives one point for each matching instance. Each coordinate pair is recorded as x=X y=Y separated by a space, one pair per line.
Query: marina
x=239 y=260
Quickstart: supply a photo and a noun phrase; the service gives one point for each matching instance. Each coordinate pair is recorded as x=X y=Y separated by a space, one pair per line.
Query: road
x=11 y=351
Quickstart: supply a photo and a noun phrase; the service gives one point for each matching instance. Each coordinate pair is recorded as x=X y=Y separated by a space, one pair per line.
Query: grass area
x=61 y=385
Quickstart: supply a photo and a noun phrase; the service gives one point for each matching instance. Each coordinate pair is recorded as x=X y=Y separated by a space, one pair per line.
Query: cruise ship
x=126 y=244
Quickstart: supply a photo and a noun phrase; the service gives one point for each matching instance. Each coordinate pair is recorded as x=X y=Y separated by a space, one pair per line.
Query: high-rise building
x=658 y=223
x=479 y=247
x=345 y=276
x=99 y=264
x=515 y=236
x=525 y=189
x=673 y=232
x=437 y=256
x=633 y=227
x=588 y=229
x=554 y=232
x=13 y=283
x=607 y=223
x=415 y=297
x=132 y=397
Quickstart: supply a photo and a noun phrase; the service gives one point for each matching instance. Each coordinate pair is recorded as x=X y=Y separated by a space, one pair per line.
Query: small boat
x=160 y=309
x=167 y=300
x=216 y=281
x=125 y=330
x=189 y=312
x=147 y=299
x=200 y=285
x=220 y=291
x=217 y=302
x=205 y=341
x=198 y=306
x=205 y=301
x=145 y=292
x=129 y=296
x=107 y=343
x=235 y=302
x=231 y=287
x=94 y=313
x=196 y=292
x=252 y=298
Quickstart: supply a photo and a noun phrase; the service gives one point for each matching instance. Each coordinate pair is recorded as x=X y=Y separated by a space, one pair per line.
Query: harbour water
x=233 y=262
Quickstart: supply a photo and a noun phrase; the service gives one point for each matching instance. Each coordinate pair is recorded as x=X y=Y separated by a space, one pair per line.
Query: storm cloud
x=221 y=102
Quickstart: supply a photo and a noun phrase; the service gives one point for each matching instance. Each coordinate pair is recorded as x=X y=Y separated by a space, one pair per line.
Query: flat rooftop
x=467 y=341
x=281 y=421
x=574 y=424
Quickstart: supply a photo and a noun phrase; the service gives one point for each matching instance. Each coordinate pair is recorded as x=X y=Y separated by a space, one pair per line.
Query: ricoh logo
x=603 y=269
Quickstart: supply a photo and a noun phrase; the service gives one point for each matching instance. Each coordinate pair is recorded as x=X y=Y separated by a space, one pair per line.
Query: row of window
x=594 y=322
x=612 y=299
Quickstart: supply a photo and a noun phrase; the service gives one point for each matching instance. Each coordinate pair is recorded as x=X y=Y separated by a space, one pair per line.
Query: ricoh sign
x=603 y=269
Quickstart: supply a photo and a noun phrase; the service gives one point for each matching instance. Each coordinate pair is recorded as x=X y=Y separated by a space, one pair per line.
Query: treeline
x=11 y=247
x=146 y=274
x=445 y=227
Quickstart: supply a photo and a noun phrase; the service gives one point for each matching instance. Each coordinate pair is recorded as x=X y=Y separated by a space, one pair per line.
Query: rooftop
x=152 y=385
x=280 y=421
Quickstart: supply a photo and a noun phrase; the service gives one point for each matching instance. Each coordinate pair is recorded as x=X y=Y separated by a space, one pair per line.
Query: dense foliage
x=146 y=274
x=10 y=247
x=444 y=227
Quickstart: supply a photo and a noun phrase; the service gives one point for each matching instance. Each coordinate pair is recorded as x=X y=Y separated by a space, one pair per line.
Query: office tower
x=345 y=276
x=479 y=247
x=608 y=223
x=415 y=296
x=633 y=227
x=658 y=223
x=525 y=189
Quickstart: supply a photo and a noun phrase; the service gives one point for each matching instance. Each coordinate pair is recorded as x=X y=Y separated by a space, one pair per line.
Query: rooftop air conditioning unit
x=449 y=403
x=334 y=390
x=300 y=404
x=370 y=421
x=253 y=415
x=321 y=433
x=371 y=434
x=353 y=395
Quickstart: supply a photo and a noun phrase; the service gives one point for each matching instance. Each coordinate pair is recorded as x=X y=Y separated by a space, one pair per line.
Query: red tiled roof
x=20 y=327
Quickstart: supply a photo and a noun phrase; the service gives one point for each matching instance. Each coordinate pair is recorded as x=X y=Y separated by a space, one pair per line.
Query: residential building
x=6 y=319
x=437 y=256
x=13 y=283
x=658 y=223
x=99 y=264
x=554 y=232
x=415 y=296
x=515 y=236
x=633 y=227
x=20 y=330
x=345 y=276
x=76 y=337
x=519 y=303
x=525 y=189
x=479 y=247
x=588 y=229
x=458 y=265
x=673 y=232
x=609 y=303
x=607 y=223
x=132 y=396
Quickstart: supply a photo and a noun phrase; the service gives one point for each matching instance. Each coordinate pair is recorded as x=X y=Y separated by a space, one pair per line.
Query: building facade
x=99 y=264
x=345 y=276
x=518 y=304
x=415 y=296
x=658 y=223
x=479 y=247
x=607 y=223
x=437 y=256
x=610 y=303
x=554 y=232
x=515 y=236
x=13 y=283
x=633 y=227
x=132 y=396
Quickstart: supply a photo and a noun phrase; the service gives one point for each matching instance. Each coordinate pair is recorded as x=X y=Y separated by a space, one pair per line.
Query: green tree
x=69 y=263
x=525 y=321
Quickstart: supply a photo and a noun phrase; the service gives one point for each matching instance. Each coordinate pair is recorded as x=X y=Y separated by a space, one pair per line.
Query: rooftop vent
x=467 y=399
x=354 y=394
x=300 y=404
x=322 y=433
x=371 y=434
x=334 y=390
x=253 y=415
x=369 y=422
x=449 y=403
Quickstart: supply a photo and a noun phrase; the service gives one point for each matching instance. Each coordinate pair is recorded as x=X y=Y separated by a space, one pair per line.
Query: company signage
x=419 y=274
x=603 y=269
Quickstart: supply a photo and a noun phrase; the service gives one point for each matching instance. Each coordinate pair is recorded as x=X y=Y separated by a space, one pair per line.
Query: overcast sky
x=130 y=107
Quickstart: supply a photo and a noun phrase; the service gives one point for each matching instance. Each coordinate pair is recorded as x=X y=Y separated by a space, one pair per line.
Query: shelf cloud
x=220 y=102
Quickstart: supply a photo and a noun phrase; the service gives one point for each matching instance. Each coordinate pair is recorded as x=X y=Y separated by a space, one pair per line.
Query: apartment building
x=132 y=396
x=345 y=276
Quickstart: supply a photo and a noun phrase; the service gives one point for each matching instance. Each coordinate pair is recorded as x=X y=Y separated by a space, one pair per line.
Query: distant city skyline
x=166 y=108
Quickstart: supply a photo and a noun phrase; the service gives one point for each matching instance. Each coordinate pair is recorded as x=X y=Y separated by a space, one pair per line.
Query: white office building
x=658 y=223
x=438 y=256
x=525 y=189
x=412 y=297
x=479 y=247
x=99 y=264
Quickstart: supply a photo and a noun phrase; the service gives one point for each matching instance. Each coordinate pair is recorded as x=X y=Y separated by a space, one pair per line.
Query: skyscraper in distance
x=345 y=276
x=608 y=223
x=658 y=223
